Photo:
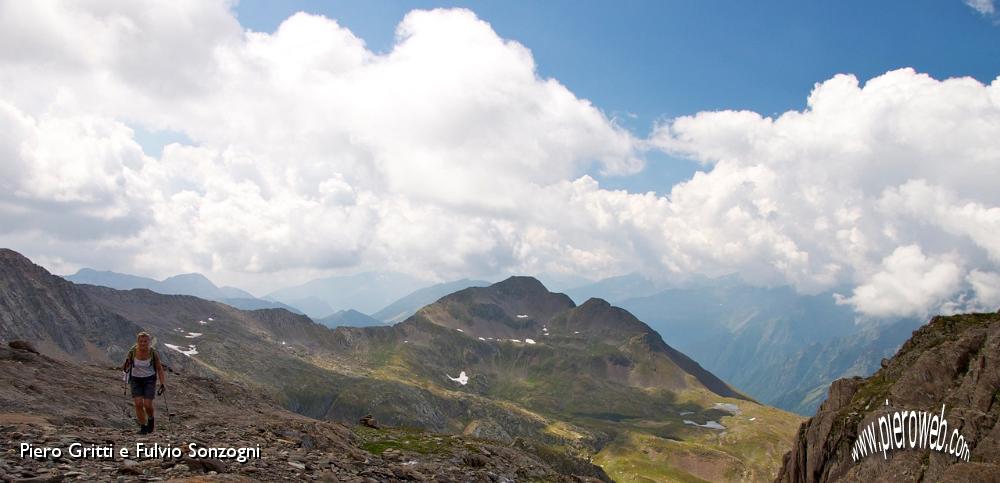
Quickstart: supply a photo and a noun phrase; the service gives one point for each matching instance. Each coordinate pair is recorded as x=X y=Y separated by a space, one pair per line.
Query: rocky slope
x=952 y=361
x=46 y=402
x=56 y=315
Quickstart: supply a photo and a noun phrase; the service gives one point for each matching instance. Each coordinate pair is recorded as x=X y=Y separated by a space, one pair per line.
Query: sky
x=844 y=146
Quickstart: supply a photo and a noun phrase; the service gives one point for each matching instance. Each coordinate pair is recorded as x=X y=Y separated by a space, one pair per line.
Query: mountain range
x=313 y=298
x=511 y=362
x=781 y=347
x=194 y=284
x=365 y=292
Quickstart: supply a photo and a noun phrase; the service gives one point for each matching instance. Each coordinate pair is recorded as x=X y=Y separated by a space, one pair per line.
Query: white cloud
x=449 y=156
x=987 y=288
x=311 y=152
x=984 y=7
x=836 y=189
x=908 y=284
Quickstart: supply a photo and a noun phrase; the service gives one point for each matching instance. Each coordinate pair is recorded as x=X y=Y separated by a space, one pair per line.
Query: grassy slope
x=667 y=451
x=636 y=434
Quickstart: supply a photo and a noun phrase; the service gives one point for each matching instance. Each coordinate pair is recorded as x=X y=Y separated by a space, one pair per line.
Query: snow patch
x=481 y=338
x=461 y=379
x=210 y=319
x=192 y=335
x=190 y=351
x=516 y=340
x=460 y=330
x=685 y=413
x=522 y=316
x=727 y=407
x=530 y=341
x=202 y=322
x=709 y=425
x=753 y=419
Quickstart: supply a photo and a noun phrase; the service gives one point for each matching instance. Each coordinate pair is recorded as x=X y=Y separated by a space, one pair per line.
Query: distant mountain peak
x=367 y=292
x=595 y=302
x=520 y=285
x=348 y=318
x=189 y=276
x=194 y=284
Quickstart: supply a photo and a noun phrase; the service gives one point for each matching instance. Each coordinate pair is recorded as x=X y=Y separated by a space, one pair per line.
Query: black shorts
x=144 y=387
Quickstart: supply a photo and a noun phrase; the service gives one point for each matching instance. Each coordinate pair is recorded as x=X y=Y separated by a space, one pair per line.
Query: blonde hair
x=143 y=334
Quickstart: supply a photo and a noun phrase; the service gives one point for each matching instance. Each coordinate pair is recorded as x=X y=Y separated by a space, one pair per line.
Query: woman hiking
x=143 y=366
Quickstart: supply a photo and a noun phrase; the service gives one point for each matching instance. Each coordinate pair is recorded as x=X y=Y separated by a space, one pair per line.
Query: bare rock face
x=56 y=315
x=952 y=362
x=22 y=345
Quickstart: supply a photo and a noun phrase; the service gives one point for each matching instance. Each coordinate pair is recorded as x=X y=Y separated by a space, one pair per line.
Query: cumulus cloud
x=448 y=156
x=903 y=161
x=309 y=151
x=984 y=7
x=987 y=288
x=907 y=284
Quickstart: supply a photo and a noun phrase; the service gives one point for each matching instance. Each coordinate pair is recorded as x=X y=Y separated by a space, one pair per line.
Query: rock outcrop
x=952 y=361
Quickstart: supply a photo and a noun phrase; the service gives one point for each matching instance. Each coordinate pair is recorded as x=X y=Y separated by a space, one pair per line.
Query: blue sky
x=644 y=61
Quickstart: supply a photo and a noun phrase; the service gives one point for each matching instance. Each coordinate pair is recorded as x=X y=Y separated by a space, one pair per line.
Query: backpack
x=153 y=359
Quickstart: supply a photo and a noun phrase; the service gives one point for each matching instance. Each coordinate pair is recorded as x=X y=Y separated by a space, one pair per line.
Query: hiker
x=143 y=366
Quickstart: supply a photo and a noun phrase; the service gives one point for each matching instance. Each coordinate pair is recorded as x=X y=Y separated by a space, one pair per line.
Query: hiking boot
x=144 y=429
x=149 y=425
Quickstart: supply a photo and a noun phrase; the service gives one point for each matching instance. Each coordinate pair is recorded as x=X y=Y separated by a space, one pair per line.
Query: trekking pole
x=125 y=394
x=166 y=403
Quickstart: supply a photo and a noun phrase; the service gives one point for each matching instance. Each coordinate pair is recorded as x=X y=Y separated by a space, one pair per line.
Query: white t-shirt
x=143 y=368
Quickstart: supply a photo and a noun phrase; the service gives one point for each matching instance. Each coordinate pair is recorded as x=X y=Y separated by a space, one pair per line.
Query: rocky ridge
x=952 y=361
x=56 y=315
